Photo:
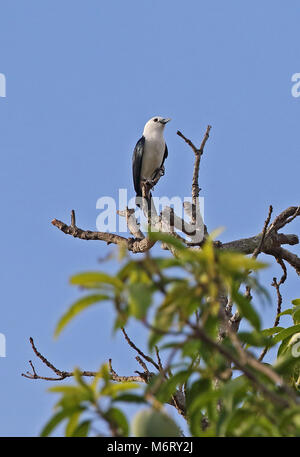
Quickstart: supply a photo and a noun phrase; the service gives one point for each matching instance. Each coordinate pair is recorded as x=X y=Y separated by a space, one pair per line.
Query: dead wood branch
x=195 y=183
x=135 y=245
x=177 y=400
x=60 y=374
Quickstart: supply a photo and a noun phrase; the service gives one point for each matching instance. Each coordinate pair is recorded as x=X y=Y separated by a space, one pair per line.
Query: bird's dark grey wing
x=165 y=155
x=137 y=159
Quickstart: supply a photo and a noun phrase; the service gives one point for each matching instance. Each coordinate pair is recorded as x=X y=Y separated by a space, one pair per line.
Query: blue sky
x=82 y=80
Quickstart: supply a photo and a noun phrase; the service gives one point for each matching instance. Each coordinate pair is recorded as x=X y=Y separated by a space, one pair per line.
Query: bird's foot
x=162 y=170
x=156 y=176
x=148 y=182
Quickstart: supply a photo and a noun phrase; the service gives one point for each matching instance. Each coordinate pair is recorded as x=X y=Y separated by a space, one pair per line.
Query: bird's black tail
x=144 y=202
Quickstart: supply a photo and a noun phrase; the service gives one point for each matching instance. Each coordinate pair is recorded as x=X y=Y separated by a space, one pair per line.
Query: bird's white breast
x=154 y=150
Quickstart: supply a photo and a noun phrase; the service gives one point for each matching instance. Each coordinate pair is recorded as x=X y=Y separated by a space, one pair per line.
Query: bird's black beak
x=165 y=121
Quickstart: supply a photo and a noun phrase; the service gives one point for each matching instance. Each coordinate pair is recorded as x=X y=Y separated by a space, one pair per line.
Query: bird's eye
x=155 y=120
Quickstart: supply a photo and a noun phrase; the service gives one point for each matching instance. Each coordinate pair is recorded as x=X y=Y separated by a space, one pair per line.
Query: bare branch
x=146 y=357
x=117 y=378
x=142 y=363
x=195 y=183
x=288 y=256
x=132 y=244
x=232 y=324
x=284 y=218
x=60 y=375
x=131 y=221
x=279 y=303
x=158 y=359
x=257 y=250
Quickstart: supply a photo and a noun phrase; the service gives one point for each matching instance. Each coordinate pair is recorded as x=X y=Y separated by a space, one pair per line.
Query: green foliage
x=77 y=308
x=152 y=423
x=79 y=403
x=226 y=391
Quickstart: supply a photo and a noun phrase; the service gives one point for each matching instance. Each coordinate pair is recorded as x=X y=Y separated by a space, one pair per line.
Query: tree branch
x=177 y=400
x=60 y=375
x=244 y=368
x=195 y=183
x=134 y=245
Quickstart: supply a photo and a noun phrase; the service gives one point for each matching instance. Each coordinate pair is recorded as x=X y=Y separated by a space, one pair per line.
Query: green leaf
x=246 y=309
x=168 y=239
x=296 y=314
x=235 y=261
x=152 y=423
x=129 y=398
x=285 y=363
x=58 y=418
x=198 y=388
x=72 y=423
x=66 y=390
x=284 y=313
x=82 y=430
x=163 y=320
x=255 y=339
x=168 y=388
x=191 y=348
x=95 y=280
x=296 y=302
x=271 y=331
x=177 y=299
x=166 y=262
x=120 y=321
x=238 y=417
x=140 y=297
x=76 y=308
x=112 y=389
x=204 y=400
x=118 y=419
x=72 y=396
x=286 y=333
x=282 y=348
x=233 y=394
x=124 y=273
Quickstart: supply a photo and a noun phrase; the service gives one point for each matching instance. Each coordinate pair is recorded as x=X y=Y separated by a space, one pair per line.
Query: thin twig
x=73 y=218
x=60 y=374
x=278 y=311
x=195 y=183
x=116 y=377
x=146 y=357
x=257 y=251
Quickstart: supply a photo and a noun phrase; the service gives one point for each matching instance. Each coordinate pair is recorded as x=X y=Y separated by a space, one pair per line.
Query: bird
x=149 y=155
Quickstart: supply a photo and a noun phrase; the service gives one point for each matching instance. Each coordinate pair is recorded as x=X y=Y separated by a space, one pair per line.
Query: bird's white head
x=155 y=125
